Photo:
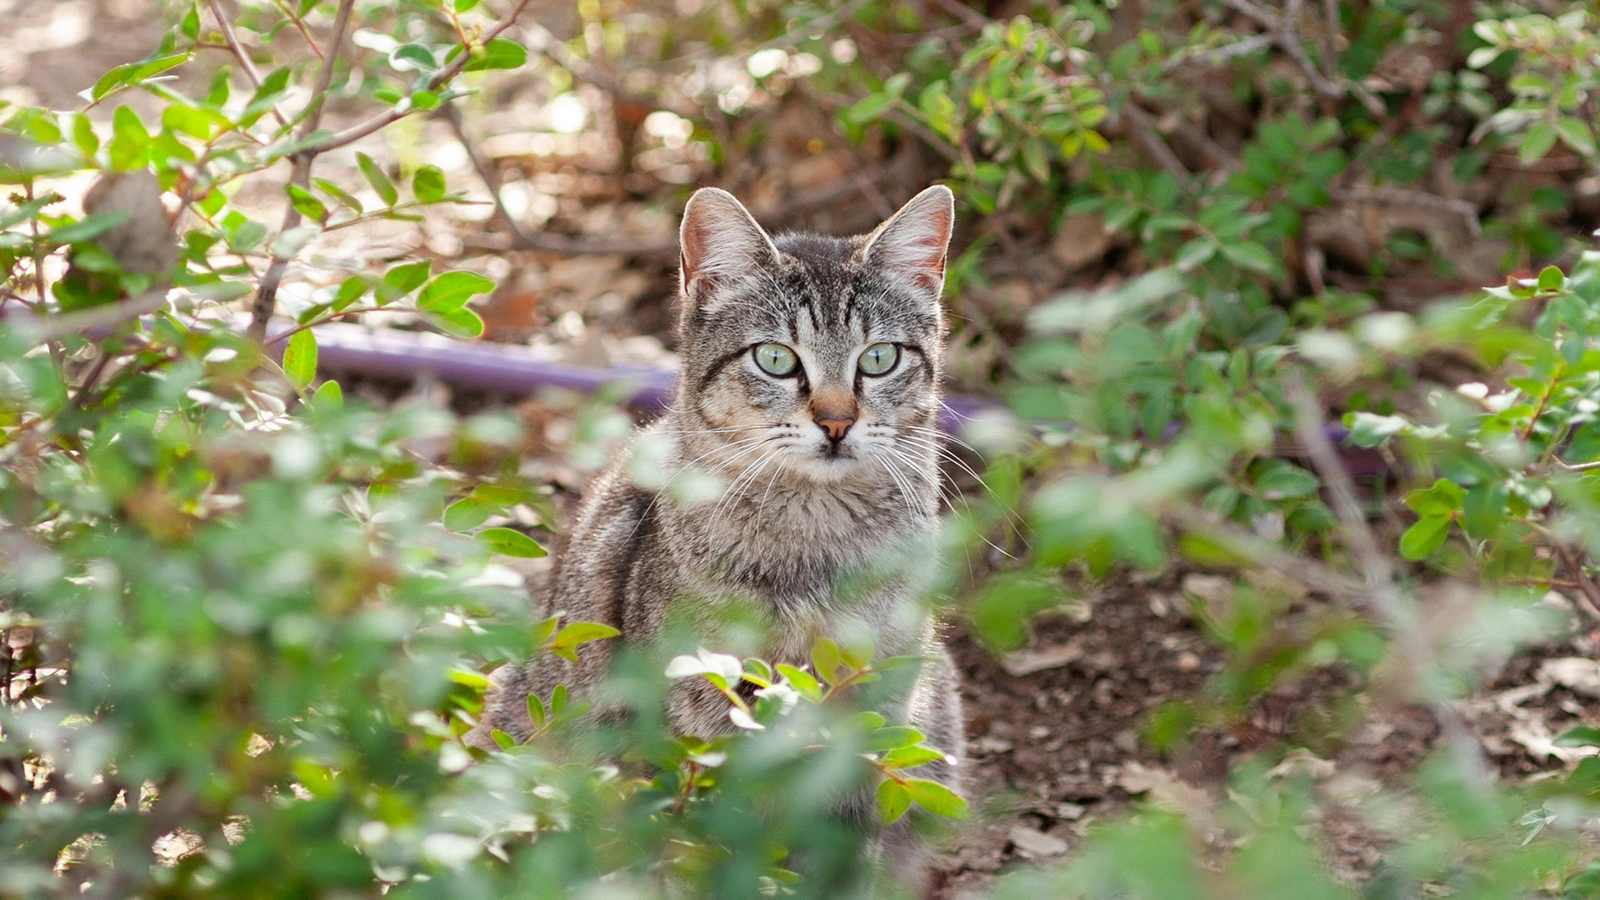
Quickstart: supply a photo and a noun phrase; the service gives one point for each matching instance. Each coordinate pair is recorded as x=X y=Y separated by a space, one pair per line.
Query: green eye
x=879 y=359
x=776 y=359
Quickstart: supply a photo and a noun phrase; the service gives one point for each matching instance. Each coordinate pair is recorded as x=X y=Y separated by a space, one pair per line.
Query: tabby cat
x=810 y=387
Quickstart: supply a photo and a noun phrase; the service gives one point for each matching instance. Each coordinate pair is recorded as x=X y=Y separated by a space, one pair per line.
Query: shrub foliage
x=246 y=620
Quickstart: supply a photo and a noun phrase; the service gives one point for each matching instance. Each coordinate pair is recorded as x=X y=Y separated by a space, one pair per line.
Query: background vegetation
x=1221 y=275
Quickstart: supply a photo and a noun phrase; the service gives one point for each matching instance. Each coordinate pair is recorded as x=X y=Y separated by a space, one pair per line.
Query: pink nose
x=835 y=427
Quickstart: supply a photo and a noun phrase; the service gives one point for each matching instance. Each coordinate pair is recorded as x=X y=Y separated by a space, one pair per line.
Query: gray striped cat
x=810 y=388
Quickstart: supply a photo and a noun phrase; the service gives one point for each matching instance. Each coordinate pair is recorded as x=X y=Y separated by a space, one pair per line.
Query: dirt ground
x=1056 y=733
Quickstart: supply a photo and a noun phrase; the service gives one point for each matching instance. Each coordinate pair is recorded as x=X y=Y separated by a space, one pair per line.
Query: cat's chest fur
x=813 y=560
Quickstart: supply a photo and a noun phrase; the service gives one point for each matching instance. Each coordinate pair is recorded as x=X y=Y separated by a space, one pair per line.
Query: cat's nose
x=835 y=427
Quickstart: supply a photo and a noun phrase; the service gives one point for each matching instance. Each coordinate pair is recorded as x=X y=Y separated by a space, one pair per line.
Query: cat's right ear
x=719 y=242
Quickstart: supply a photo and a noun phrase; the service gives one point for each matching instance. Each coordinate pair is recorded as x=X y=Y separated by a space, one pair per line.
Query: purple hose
x=505 y=367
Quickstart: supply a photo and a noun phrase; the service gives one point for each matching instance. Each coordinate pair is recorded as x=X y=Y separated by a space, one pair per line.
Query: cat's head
x=819 y=354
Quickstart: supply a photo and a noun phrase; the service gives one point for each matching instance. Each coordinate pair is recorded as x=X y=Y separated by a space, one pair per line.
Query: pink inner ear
x=916 y=243
x=719 y=242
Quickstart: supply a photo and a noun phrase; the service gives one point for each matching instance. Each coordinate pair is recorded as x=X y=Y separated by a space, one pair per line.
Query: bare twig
x=1588 y=593
x=1310 y=572
x=1413 y=648
x=1144 y=129
x=491 y=179
x=267 y=293
x=1330 y=38
x=1407 y=197
x=540 y=40
x=1241 y=47
x=49 y=328
x=90 y=379
x=580 y=245
x=963 y=12
x=939 y=143
x=1324 y=458
x=1281 y=30
x=225 y=26
x=384 y=119
x=300 y=26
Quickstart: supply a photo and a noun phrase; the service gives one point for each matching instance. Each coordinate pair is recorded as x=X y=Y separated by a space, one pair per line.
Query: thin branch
x=1281 y=30
x=1241 y=47
x=1305 y=570
x=491 y=179
x=1144 y=129
x=665 y=245
x=540 y=40
x=1588 y=593
x=384 y=119
x=1406 y=197
x=300 y=26
x=963 y=12
x=1324 y=458
x=1330 y=38
x=249 y=69
x=49 y=328
x=267 y=294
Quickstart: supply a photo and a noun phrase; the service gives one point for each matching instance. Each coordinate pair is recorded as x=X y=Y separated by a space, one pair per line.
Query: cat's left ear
x=913 y=243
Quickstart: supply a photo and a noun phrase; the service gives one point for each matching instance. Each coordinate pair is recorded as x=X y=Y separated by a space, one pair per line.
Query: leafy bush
x=247 y=620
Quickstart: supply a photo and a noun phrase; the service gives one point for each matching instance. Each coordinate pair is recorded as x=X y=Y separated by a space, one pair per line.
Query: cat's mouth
x=836 y=452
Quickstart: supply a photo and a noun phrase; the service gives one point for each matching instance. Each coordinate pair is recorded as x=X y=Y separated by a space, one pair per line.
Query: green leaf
x=802 y=681
x=1579 y=736
x=329 y=398
x=1551 y=279
x=893 y=801
x=579 y=633
x=936 y=798
x=1575 y=133
x=402 y=280
x=508 y=542
x=273 y=88
x=1483 y=510
x=1537 y=142
x=458 y=322
x=1425 y=537
x=452 y=290
x=87 y=228
x=500 y=53
x=413 y=57
x=380 y=182
x=1444 y=498
x=867 y=109
x=130 y=141
x=1250 y=255
x=428 y=184
x=338 y=193
x=825 y=659
x=893 y=737
x=468 y=678
x=502 y=740
x=1287 y=481
x=1194 y=253
x=306 y=203
x=300 y=359
x=350 y=290
x=465 y=514
x=911 y=757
